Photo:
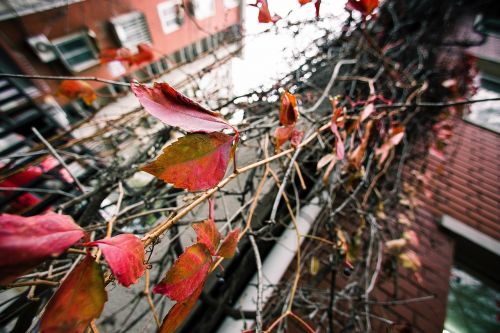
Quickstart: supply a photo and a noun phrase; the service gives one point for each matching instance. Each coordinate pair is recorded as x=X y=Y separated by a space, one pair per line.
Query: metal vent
x=131 y=29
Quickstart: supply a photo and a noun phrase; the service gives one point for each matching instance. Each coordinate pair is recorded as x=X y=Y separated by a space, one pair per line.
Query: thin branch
x=59 y=158
x=57 y=77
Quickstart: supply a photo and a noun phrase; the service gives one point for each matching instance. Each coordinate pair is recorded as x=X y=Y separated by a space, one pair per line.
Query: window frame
x=57 y=42
x=196 y=13
x=161 y=8
x=119 y=21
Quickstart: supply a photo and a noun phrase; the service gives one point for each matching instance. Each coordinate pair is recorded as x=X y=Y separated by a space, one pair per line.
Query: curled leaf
x=125 y=256
x=339 y=144
x=356 y=157
x=365 y=7
x=228 y=246
x=174 y=109
x=289 y=112
x=395 y=244
x=179 y=312
x=187 y=274
x=410 y=260
x=26 y=241
x=264 y=13
x=396 y=134
x=78 y=301
x=324 y=161
x=73 y=89
x=195 y=162
x=208 y=235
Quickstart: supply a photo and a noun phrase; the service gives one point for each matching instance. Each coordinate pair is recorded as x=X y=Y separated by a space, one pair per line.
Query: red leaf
x=125 y=256
x=174 y=109
x=196 y=162
x=282 y=135
x=179 y=312
x=304 y=2
x=208 y=235
x=317 y=4
x=121 y=54
x=187 y=274
x=27 y=241
x=144 y=54
x=365 y=7
x=73 y=89
x=264 y=14
x=289 y=113
x=79 y=300
x=228 y=246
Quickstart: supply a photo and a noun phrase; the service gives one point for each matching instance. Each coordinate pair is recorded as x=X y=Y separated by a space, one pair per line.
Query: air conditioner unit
x=43 y=48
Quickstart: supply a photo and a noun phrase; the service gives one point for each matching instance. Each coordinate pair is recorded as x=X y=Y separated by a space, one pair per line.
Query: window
x=76 y=51
x=231 y=3
x=203 y=8
x=131 y=29
x=171 y=15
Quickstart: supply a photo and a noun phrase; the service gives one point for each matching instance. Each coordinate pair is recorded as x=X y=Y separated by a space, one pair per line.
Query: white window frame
x=231 y=3
x=118 y=23
x=203 y=14
x=90 y=47
x=167 y=24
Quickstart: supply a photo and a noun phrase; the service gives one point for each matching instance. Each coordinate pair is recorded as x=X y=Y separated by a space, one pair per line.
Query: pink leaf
x=174 y=109
x=208 y=235
x=125 y=256
x=296 y=138
x=27 y=241
x=228 y=246
x=367 y=111
x=334 y=127
x=282 y=135
x=188 y=273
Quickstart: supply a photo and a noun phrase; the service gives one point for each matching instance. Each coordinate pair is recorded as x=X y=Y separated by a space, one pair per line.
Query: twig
x=37 y=190
x=59 y=158
x=150 y=299
x=258 y=262
x=53 y=77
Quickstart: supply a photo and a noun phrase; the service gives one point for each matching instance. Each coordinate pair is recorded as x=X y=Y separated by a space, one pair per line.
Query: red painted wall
x=95 y=15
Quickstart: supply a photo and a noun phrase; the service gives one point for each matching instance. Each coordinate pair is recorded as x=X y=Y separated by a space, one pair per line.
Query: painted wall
x=95 y=15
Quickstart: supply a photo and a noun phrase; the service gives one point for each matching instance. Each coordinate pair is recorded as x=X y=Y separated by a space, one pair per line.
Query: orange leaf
x=73 y=89
x=179 y=312
x=357 y=156
x=125 y=256
x=289 y=113
x=78 y=301
x=228 y=246
x=26 y=241
x=208 y=235
x=195 y=162
x=187 y=274
x=334 y=127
